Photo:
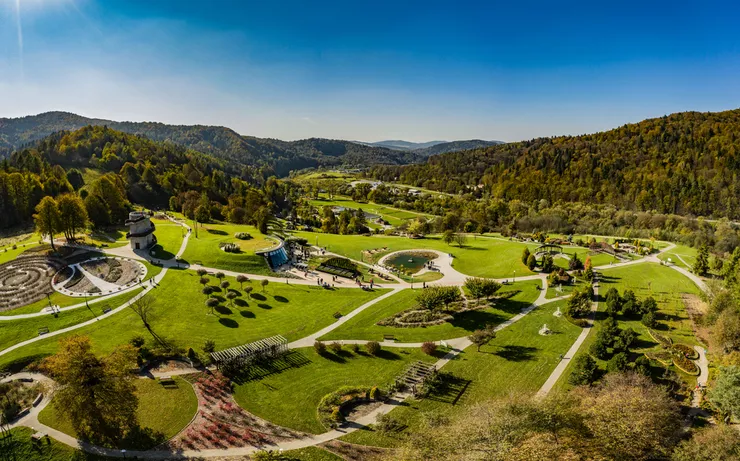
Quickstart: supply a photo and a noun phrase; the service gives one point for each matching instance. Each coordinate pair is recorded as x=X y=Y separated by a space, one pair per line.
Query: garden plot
x=102 y=275
x=26 y=280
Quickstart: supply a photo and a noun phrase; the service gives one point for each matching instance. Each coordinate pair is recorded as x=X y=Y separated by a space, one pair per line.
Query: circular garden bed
x=26 y=280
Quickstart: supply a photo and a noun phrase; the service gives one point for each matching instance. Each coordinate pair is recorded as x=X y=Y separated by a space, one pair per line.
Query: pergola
x=416 y=375
x=268 y=348
x=549 y=248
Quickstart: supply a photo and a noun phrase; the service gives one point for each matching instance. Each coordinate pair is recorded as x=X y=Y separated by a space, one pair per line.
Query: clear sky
x=426 y=70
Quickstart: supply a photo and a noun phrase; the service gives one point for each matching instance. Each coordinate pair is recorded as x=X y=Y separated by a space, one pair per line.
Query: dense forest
x=269 y=156
x=137 y=170
x=685 y=163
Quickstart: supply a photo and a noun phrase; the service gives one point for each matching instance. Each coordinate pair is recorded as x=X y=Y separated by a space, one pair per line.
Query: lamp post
x=514 y=281
x=123 y=452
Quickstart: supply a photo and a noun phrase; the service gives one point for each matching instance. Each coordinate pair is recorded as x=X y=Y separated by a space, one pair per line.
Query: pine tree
x=701 y=266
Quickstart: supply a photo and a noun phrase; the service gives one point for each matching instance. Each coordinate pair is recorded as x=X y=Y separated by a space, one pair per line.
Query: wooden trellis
x=268 y=348
x=415 y=376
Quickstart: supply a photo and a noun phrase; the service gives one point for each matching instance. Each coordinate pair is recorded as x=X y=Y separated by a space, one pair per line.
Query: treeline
x=136 y=170
x=685 y=163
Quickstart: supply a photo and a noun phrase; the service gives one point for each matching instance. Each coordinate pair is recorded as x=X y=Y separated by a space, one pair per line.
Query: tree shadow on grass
x=333 y=357
x=247 y=314
x=142 y=438
x=474 y=320
x=281 y=299
x=265 y=368
x=217 y=232
x=241 y=303
x=510 y=306
x=264 y=306
x=258 y=297
x=223 y=310
x=514 y=353
x=450 y=389
x=229 y=323
x=385 y=354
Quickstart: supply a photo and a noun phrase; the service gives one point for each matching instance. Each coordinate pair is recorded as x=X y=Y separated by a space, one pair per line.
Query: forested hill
x=686 y=163
x=454 y=146
x=133 y=169
x=275 y=156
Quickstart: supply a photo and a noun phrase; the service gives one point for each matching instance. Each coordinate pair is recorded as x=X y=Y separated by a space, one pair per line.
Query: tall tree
x=96 y=394
x=73 y=215
x=701 y=266
x=47 y=218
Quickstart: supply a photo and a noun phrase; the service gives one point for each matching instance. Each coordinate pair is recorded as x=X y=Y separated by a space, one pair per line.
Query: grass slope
x=163 y=409
x=517 y=360
x=289 y=395
x=180 y=317
x=363 y=326
x=204 y=249
x=666 y=286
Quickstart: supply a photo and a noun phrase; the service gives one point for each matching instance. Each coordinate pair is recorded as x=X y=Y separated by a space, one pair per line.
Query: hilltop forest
x=685 y=163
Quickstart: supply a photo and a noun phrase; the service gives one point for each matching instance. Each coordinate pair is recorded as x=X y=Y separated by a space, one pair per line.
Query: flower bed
x=663 y=340
x=685 y=365
x=687 y=351
x=664 y=357
x=331 y=406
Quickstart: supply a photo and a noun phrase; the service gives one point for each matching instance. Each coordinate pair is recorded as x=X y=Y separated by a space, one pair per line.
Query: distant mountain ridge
x=427 y=149
x=272 y=155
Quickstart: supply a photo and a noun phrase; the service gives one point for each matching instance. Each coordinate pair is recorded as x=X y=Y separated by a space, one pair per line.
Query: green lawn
x=180 y=317
x=310 y=454
x=363 y=326
x=567 y=289
x=204 y=249
x=481 y=257
x=169 y=238
x=15 y=331
x=288 y=393
x=666 y=286
x=394 y=216
x=23 y=449
x=518 y=360
x=164 y=409
x=682 y=256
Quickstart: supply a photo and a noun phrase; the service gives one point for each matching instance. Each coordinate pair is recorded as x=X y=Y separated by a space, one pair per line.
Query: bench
x=43 y=330
x=166 y=380
x=389 y=338
x=106 y=310
x=337 y=315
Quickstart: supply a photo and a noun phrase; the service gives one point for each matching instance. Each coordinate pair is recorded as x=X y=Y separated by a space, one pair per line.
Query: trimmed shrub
x=429 y=348
x=209 y=346
x=243 y=235
x=355 y=348
x=372 y=347
x=335 y=347
x=319 y=347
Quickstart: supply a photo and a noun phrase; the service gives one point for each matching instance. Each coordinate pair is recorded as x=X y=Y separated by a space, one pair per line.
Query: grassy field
x=164 y=409
x=169 y=238
x=682 y=256
x=288 y=394
x=666 y=286
x=204 y=249
x=482 y=257
x=15 y=331
x=517 y=360
x=310 y=454
x=180 y=317
x=394 y=216
x=363 y=326
x=23 y=449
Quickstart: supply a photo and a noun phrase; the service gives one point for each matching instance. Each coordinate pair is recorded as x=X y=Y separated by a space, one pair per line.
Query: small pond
x=413 y=262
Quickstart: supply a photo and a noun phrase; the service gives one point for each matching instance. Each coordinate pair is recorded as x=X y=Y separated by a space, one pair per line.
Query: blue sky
x=371 y=70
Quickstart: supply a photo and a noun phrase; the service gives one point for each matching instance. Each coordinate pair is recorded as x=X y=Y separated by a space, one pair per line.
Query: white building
x=141 y=230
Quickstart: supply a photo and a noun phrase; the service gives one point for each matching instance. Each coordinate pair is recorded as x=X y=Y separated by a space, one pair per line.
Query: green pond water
x=410 y=261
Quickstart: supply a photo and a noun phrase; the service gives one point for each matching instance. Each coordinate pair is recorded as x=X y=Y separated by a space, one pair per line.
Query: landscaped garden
x=517 y=359
x=169 y=239
x=365 y=324
x=180 y=318
x=205 y=248
x=165 y=408
x=668 y=287
x=287 y=392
